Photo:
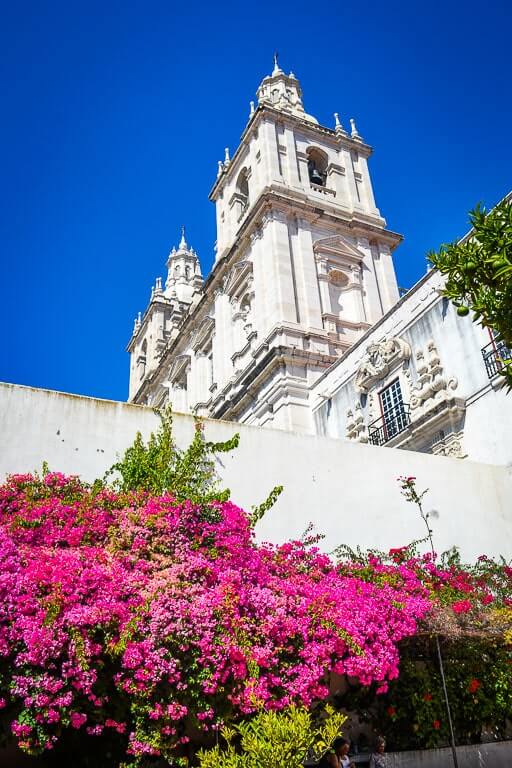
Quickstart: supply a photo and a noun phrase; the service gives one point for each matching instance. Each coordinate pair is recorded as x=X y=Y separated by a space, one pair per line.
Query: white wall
x=347 y=489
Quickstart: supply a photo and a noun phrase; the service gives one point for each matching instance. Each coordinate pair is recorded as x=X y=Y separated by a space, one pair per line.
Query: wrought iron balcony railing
x=386 y=427
x=494 y=354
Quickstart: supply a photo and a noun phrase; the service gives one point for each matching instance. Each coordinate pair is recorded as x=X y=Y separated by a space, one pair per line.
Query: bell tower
x=296 y=202
x=302 y=269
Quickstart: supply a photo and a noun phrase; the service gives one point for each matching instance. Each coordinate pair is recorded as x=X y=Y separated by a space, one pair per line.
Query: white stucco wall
x=347 y=489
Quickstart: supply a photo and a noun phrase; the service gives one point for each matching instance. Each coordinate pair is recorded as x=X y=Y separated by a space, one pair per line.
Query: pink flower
x=77 y=719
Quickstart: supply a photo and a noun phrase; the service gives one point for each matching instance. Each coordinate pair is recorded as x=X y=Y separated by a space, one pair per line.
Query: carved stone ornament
x=433 y=386
x=450 y=445
x=356 y=428
x=379 y=360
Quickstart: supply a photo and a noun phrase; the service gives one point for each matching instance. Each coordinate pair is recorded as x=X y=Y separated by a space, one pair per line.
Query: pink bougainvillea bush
x=152 y=620
x=144 y=622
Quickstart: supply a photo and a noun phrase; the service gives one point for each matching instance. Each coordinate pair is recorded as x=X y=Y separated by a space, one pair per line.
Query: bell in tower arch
x=315 y=176
x=317 y=166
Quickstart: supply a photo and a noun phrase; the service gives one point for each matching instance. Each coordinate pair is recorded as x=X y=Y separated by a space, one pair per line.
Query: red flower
x=462 y=606
x=474 y=685
x=391 y=711
x=427 y=697
x=437 y=724
x=398 y=554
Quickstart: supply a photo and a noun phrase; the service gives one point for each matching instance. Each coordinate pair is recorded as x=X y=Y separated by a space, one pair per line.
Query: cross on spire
x=276 y=63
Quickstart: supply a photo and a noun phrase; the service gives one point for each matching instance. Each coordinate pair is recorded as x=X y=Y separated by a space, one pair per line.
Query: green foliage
x=159 y=466
x=412 y=713
x=274 y=740
x=258 y=511
x=479 y=273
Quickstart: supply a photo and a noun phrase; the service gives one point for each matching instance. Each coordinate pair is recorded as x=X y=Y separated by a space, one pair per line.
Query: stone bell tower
x=295 y=202
x=302 y=269
x=164 y=314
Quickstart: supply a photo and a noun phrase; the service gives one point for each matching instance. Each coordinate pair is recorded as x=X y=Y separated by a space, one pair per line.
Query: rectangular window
x=394 y=415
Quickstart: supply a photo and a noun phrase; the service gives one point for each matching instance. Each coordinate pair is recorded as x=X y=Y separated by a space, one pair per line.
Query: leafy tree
x=159 y=466
x=479 y=273
x=274 y=740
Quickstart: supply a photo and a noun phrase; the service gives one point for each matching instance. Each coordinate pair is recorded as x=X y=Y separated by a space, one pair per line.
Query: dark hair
x=339 y=742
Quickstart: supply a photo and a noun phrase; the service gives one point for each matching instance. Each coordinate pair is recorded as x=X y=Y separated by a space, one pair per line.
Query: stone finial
x=219 y=169
x=183 y=242
x=251 y=113
x=337 y=125
x=354 y=132
x=158 y=285
x=292 y=76
x=226 y=157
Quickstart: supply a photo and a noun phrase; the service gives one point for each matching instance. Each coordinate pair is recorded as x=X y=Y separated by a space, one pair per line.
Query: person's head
x=381 y=744
x=341 y=746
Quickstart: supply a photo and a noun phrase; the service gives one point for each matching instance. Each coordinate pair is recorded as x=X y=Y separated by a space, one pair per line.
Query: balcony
x=494 y=354
x=384 y=429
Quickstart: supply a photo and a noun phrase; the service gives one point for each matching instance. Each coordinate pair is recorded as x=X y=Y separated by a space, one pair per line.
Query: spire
x=277 y=69
x=183 y=243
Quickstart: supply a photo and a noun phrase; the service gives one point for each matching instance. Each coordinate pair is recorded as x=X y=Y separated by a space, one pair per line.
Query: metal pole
x=425 y=517
x=447 y=702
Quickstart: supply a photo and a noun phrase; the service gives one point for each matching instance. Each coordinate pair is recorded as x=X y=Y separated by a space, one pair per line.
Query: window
x=317 y=166
x=395 y=415
x=141 y=360
x=242 y=192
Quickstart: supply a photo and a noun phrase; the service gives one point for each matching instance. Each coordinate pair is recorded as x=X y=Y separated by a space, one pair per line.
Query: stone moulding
x=379 y=359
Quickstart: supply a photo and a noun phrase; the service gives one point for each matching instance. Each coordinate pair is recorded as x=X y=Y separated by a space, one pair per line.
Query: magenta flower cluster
x=151 y=620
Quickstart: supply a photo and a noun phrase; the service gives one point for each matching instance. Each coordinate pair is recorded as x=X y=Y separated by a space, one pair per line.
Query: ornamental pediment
x=203 y=333
x=337 y=246
x=237 y=278
x=179 y=368
x=379 y=359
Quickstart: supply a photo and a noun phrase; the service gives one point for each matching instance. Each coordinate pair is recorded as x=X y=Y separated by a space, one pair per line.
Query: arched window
x=242 y=184
x=317 y=166
x=141 y=360
x=242 y=193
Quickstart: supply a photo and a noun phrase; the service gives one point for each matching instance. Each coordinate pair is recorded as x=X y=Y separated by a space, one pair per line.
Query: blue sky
x=114 y=116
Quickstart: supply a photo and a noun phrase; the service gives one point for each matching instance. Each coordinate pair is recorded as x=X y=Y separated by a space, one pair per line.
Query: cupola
x=283 y=92
x=184 y=276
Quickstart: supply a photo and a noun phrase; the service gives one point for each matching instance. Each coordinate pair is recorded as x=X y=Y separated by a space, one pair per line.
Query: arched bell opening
x=317 y=166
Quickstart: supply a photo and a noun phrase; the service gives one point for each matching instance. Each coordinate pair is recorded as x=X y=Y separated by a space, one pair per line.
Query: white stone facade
x=449 y=398
x=299 y=326
x=303 y=269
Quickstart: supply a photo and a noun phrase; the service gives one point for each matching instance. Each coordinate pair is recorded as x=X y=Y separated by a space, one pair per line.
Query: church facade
x=303 y=269
x=300 y=325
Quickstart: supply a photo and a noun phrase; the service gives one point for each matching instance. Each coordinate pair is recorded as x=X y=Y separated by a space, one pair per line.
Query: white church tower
x=303 y=268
